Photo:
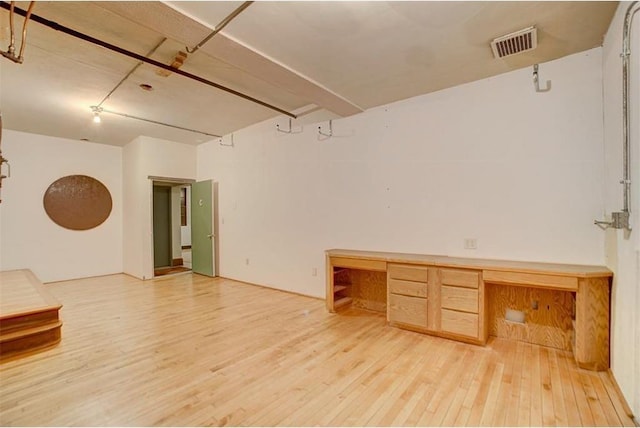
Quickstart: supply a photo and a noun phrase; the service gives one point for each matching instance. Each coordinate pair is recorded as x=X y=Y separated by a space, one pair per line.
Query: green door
x=202 y=228
x=161 y=226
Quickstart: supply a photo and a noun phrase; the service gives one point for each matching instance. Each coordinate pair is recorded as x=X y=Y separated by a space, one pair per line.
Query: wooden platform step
x=29 y=315
x=26 y=320
x=28 y=340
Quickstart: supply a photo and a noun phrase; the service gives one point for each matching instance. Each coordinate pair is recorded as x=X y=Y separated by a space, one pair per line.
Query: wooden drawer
x=460 y=278
x=362 y=264
x=408 y=310
x=408 y=272
x=408 y=288
x=461 y=323
x=458 y=298
x=531 y=279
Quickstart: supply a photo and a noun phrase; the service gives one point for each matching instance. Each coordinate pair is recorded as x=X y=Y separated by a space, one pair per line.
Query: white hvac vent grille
x=515 y=43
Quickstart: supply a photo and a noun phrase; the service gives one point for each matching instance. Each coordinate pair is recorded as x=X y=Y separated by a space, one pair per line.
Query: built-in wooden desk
x=565 y=306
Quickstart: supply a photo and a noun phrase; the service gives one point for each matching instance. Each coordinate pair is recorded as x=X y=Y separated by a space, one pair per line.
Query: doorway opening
x=184 y=223
x=171 y=228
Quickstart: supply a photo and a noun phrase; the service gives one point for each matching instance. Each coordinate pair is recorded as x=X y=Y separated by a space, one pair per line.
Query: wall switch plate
x=246 y=261
x=470 y=243
x=314 y=272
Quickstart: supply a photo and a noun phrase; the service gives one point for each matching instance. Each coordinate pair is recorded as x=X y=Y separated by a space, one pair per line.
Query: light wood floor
x=189 y=350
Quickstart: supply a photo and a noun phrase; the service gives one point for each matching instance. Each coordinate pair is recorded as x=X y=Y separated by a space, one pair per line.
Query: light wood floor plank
x=507 y=351
x=513 y=399
x=586 y=417
x=548 y=406
x=467 y=405
x=597 y=411
x=609 y=410
x=536 y=388
x=432 y=373
x=462 y=391
x=622 y=408
x=195 y=351
x=560 y=387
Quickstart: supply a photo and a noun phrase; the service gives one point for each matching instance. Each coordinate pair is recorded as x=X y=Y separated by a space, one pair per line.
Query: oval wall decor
x=77 y=202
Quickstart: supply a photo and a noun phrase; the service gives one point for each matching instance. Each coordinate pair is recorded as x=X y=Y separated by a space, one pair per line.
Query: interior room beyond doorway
x=171 y=228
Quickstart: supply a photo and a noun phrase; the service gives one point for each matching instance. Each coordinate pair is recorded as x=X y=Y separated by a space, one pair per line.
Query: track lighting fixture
x=96 y=114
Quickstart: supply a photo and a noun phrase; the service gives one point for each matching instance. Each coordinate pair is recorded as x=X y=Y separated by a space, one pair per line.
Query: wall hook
x=536 y=82
x=288 y=131
x=330 y=134
x=221 y=142
x=619 y=220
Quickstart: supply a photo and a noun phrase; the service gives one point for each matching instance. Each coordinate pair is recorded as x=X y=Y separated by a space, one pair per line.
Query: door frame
x=148 y=260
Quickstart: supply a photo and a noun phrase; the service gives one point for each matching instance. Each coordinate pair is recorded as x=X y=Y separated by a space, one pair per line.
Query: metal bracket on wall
x=328 y=135
x=288 y=131
x=619 y=220
x=536 y=82
x=221 y=142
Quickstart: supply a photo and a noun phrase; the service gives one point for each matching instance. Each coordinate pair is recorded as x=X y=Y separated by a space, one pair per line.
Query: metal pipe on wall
x=621 y=219
x=626 y=131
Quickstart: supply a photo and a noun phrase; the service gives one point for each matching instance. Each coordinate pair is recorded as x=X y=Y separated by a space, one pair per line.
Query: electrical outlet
x=470 y=243
x=246 y=261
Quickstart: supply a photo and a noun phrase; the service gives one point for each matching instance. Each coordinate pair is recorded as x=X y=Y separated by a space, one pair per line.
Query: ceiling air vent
x=515 y=43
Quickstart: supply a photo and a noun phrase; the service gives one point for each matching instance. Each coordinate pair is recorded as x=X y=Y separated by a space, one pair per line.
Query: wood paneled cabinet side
x=592 y=323
x=329 y=284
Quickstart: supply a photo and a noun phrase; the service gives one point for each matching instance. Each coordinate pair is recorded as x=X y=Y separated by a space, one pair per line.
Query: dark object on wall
x=77 y=202
x=3 y=160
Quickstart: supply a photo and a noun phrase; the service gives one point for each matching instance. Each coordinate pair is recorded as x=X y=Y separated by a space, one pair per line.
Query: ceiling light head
x=96 y=113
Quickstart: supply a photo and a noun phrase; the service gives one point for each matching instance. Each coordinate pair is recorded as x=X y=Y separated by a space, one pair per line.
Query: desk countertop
x=579 y=271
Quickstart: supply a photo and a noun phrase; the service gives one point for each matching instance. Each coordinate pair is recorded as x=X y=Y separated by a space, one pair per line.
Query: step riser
x=21 y=345
x=19 y=322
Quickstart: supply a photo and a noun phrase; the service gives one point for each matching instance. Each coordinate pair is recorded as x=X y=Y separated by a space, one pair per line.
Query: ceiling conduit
x=87 y=38
x=11 y=51
x=220 y=26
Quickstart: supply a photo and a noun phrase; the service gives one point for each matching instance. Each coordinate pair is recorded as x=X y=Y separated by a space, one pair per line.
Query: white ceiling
x=344 y=57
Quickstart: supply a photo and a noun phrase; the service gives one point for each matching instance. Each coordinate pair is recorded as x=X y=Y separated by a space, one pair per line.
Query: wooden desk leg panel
x=329 y=285
x=592 y=323
x=433 y=300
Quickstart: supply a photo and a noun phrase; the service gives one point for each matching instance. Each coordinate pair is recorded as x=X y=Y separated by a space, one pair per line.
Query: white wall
x=520 y=171
x=30 y=239
x=623 y=249
x=144 y=157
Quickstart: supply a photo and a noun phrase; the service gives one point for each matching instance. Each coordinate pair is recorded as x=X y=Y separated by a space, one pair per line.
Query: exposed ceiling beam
x=172 y=23
x=142 y=58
